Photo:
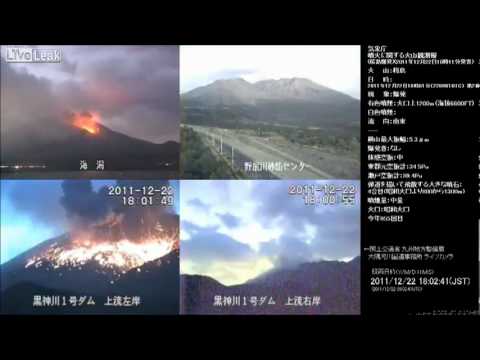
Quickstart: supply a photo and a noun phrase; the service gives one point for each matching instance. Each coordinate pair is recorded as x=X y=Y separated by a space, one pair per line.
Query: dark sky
x=135 y=89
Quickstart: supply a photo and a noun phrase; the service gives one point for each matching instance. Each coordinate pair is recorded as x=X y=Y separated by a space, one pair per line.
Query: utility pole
x=213 y=139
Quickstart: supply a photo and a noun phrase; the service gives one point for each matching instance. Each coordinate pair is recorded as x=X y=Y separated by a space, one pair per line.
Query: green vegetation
x=197 y=160
x=343 y=139
x=309 y=137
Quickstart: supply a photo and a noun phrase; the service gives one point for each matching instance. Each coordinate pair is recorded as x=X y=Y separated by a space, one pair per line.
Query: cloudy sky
x=135 y=89
x=31 y=212
x=337 y=67
x=235 y=230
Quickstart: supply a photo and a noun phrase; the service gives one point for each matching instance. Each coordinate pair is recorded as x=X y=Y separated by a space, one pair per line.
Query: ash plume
x=135 y=89
x=107 y=218
x=81 y=202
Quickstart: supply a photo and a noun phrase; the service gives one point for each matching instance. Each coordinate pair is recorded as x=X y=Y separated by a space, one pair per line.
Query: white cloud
x=235 y=230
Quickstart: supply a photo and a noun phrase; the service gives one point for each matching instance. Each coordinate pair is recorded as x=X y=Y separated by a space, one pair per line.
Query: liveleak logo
x=33 y=55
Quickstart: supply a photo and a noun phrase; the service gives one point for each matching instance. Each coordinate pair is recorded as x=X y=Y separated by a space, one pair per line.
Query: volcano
x=336 y=282
x=296 y=102
x=105 y=270
x=89 y=141
x=87 y=121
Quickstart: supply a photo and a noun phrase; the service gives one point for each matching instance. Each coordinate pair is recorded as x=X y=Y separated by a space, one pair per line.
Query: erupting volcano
x=88 y=139
x=108 y=249
x=87 y=121
x=114 y=238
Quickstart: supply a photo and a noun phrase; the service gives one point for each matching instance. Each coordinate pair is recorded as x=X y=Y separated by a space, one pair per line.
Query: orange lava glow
x=87 y=121
x=120 y=256
x=114 y=255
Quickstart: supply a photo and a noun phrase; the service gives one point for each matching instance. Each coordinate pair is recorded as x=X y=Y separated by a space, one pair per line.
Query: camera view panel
x=90 y=112
x=266 y=112
x=89 y=247
x=270 y=247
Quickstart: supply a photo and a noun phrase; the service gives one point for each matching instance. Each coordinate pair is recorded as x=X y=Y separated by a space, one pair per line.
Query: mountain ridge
x=287 y=101
x=264 y=89
x=20 y=284
x=337 y=282
x=118 y=150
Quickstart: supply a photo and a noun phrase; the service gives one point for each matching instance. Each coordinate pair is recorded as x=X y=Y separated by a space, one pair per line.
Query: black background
x=452 y=154
x=291 y=25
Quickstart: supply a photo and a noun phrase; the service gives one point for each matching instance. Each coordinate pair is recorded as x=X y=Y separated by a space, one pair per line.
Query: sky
x=135 y=89
x=337 y=67
x=235 y=230
x=31 y=213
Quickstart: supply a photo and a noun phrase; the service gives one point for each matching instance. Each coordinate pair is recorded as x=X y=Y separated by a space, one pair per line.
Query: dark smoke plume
x=111 y=219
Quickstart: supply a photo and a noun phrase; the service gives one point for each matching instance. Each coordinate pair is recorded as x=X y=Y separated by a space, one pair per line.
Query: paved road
x=259 y=151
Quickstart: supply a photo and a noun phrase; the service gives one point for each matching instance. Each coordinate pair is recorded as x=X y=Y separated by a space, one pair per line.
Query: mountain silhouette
x=295 y=102
x=155 y=282
x=64 y=152
x=336 y=282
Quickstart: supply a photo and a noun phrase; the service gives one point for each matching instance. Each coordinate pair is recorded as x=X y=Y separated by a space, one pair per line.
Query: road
x=258 y=151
